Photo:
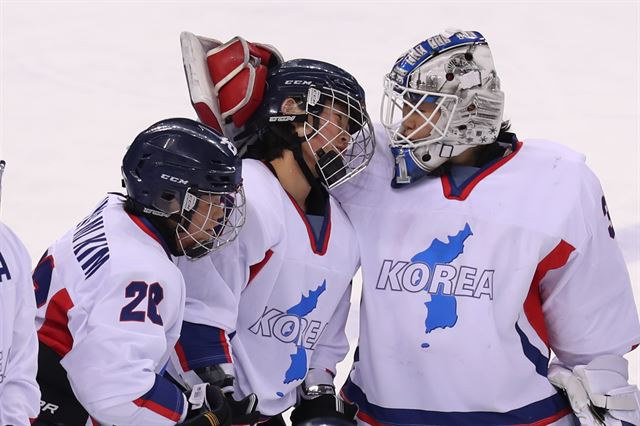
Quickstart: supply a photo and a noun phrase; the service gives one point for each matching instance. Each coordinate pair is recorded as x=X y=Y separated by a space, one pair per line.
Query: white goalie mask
x=441 y=98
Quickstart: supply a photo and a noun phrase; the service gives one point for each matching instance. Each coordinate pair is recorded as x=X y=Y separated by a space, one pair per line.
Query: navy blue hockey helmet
x=294 y=78
x=175 y=166
x=318 y=86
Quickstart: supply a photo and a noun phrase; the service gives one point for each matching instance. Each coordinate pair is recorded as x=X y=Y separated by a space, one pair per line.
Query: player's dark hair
x=272 y=141
x=497 y=149
x=484 y=154
x=166 y=226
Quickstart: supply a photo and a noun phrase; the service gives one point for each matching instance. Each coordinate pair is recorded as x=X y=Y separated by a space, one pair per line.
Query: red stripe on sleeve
x=184 y=363
x=157 y=408
x=254 y=269
x=557 y=258
x=55 y=329
x=364 y=417
x=225 y=345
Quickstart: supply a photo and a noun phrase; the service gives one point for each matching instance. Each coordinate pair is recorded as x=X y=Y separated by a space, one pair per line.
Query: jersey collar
x=462 y=191
x=145 y=225
x=320 y=242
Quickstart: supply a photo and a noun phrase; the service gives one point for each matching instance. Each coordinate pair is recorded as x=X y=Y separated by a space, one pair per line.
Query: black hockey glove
x=244 y=411
x=322 y=409
x=207 y=407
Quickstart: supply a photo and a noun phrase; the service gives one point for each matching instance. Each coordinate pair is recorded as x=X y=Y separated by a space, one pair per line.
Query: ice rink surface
x=79 y=79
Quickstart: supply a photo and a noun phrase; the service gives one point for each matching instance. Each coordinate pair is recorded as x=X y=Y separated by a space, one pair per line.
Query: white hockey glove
x=599 y=392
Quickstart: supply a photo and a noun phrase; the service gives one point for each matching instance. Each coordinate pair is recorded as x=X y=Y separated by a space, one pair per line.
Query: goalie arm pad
x=599 y=392
x=226 y=80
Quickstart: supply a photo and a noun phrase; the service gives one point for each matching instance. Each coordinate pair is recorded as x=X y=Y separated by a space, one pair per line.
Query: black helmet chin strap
x=316 y=200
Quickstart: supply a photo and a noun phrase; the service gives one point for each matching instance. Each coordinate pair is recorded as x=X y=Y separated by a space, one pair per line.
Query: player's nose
x=408 y=125
x=217 y=212
x=342 y=141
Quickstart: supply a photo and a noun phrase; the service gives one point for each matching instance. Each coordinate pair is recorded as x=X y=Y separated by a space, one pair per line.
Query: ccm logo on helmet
x=174 y=179
x=228 y=144
x=298 y=82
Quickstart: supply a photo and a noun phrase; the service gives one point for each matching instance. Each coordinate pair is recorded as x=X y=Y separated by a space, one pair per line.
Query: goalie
x=506 y=251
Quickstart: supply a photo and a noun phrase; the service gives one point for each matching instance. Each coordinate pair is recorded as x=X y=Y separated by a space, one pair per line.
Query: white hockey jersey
x=110 y=303
x=466 y=288
x=19 y=393
x=293 y=289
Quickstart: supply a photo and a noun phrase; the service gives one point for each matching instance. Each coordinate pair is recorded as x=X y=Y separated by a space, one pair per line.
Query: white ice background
x=79 y=79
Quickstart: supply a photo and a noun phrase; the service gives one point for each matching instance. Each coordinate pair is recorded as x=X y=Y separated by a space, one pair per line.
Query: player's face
x=330 y=133
x=206 y=216
x=415 y=123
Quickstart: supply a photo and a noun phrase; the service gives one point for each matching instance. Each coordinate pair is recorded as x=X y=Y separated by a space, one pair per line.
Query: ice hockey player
x=291 y=267
x=480 y=256
x=19 y=392
x=110 y=300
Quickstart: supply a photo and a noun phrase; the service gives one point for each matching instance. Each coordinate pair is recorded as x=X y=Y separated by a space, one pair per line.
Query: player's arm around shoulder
x=211 y=299
x=213 y=286
x=215 y=283
x=264 y=230
x=19 y=392
x=210 y=316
